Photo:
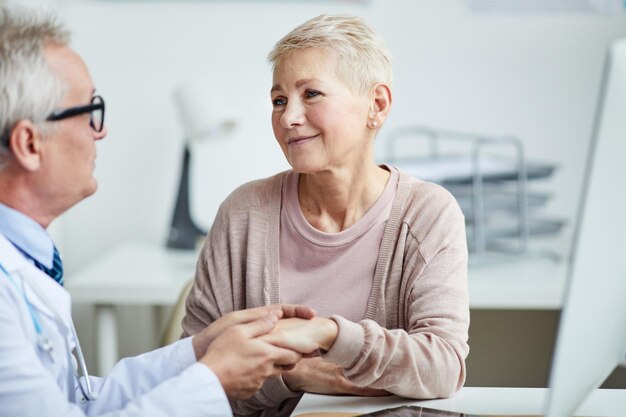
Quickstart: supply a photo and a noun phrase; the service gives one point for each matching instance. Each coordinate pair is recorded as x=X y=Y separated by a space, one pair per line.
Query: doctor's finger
x=259 y=327
x=285 y=357
x=293 y=310
x=250 y=314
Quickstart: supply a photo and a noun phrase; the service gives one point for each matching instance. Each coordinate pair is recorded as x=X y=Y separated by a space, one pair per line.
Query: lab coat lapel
x=16 y=263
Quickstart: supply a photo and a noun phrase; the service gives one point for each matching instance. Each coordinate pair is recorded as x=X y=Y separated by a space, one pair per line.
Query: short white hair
x=29 y=89
x=364 y=59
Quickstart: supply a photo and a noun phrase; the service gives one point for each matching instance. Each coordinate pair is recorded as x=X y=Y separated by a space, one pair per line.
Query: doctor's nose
x=101 y=134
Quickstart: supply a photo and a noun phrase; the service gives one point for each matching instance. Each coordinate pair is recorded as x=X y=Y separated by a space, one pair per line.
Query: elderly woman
x=380 y=255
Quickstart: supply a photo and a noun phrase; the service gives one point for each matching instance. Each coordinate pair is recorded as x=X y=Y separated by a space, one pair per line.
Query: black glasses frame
x=97 y=103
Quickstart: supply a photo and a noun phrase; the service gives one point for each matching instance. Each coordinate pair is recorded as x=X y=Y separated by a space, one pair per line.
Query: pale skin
x=313 y=374
x=39 y=163
x=326 y=131
x=234 y=349
x=50 y=170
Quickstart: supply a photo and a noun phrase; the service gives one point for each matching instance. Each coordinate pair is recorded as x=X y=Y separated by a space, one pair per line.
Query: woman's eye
x=312 y=93
x=277 y=102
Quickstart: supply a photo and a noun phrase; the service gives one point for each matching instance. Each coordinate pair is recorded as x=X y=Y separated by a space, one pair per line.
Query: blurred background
x=528 y=69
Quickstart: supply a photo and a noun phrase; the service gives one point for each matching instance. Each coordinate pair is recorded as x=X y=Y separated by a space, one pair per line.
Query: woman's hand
x=304 y=336
x=322 y=377
x=202 y=340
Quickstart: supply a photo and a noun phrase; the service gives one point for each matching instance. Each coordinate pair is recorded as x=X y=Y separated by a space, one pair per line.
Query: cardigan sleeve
x=426 y=358
x=220 y=281
x=220 y=287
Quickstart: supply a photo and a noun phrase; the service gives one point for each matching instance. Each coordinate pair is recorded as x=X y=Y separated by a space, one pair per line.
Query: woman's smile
x=301 y=140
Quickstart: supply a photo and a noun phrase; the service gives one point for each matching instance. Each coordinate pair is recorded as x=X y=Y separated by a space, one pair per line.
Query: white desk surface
x=149 y=274
x=134 y=273
x=527 y=284
x=472 y=400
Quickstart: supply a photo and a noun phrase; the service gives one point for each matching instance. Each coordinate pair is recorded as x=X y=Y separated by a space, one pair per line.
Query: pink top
x=412 y=341
x=313 y=263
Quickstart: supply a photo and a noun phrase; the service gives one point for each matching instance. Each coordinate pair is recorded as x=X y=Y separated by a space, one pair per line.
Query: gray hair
x=29 y=89
x=364 y=59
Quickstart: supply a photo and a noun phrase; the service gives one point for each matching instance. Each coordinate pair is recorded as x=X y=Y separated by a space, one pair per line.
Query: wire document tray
x=492 y=189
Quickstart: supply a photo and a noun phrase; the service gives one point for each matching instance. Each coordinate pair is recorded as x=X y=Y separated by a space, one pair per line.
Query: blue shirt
x=27 y=235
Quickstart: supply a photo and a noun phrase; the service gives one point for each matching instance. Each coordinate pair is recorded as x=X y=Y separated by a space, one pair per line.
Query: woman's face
x=318 y=122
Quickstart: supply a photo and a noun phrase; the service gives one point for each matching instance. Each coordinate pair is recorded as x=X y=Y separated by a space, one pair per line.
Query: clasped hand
x=233 y=349
x=314 y=374
x=246 y=347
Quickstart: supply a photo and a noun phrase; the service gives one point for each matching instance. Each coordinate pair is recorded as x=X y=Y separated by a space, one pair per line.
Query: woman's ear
x=25 y=145
x=381 y=104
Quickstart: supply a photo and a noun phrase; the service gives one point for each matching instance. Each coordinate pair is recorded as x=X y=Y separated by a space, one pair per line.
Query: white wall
x=531 y=76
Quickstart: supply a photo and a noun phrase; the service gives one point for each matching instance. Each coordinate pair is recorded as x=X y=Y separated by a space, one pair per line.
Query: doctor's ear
x=25 y=143
x=380 y=106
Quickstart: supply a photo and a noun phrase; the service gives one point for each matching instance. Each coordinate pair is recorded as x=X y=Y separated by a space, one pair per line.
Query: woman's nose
x=293 y=115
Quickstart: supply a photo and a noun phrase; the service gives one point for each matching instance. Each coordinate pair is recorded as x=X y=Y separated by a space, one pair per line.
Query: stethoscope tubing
x=45 y=344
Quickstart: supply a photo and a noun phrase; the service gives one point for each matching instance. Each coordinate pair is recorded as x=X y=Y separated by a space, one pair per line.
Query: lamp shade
x=197 y=114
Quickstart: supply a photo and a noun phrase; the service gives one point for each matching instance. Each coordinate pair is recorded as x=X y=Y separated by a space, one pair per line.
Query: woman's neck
x=334 y=200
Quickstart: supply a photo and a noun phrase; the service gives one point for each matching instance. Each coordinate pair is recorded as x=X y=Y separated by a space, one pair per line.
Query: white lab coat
x=164 y=382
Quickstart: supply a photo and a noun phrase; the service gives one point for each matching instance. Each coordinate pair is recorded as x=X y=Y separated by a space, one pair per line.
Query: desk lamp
x=194 y=111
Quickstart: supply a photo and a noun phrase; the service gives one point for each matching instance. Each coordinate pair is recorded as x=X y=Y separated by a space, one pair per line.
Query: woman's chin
x=305 y=167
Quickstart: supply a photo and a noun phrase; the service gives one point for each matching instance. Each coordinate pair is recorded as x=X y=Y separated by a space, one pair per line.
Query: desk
x=150 y=274
x=131 y=274
x=536 y=283
x=498 y=401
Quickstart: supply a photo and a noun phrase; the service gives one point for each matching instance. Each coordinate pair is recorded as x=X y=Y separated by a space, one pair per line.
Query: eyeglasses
x=95 y=110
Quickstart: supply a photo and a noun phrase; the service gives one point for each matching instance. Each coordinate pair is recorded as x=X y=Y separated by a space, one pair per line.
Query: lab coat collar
x=27 y=234
x=16 y=263
x=12 y=260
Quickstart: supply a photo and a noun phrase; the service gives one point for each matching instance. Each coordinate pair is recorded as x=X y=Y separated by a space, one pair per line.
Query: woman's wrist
x=290 y=381
x=329 y=333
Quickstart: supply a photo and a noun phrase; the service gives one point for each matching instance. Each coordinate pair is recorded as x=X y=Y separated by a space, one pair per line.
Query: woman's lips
x=301 y=140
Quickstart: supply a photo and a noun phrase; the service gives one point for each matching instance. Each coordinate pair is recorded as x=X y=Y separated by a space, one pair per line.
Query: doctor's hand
x=323 y=377
x=202 y=340
x=242 y=361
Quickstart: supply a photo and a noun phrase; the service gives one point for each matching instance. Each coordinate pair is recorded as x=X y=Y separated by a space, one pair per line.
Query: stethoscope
x=45 y=344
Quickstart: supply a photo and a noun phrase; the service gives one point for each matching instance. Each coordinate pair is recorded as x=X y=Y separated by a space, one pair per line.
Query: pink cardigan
x=413 y=340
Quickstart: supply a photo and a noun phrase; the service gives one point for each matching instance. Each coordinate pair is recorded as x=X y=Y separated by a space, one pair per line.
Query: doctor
x=50 y=119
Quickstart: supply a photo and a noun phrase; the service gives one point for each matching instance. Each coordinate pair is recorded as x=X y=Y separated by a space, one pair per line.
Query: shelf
x=460 y=169
x=499 y=201
x=492 y=189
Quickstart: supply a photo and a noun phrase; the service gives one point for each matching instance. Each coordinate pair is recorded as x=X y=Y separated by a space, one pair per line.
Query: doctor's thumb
x=261 y=326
